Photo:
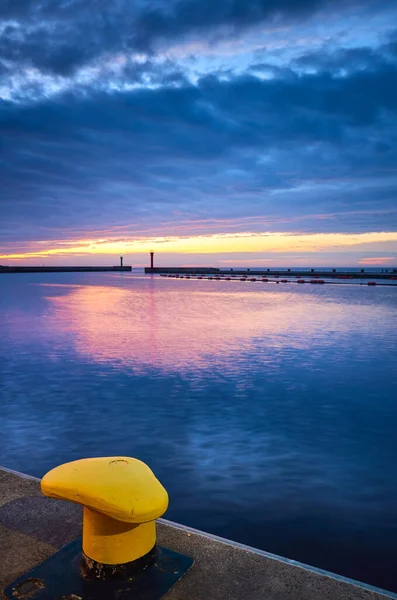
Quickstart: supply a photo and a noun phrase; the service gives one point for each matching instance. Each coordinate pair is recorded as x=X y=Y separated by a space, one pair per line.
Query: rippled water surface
x=269 y=412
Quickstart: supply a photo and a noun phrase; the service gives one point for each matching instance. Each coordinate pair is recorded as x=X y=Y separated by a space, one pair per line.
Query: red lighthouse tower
x=151 y=260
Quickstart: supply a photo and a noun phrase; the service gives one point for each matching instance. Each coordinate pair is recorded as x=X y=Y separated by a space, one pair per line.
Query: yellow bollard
x=122 y=499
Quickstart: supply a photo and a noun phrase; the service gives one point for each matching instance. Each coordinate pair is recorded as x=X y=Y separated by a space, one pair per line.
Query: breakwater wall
x=62 y=269
x=389 y=273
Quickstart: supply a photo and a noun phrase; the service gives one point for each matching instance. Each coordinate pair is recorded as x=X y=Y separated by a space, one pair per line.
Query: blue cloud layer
x=201 y=109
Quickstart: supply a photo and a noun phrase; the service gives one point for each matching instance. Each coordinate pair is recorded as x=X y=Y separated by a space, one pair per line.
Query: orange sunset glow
x=246 y=244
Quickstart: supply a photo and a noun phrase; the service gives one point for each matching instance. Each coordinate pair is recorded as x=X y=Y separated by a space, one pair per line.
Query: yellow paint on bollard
x=121 y=498
x=111 y=542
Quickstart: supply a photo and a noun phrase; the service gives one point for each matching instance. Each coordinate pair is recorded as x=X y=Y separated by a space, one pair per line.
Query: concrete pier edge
x=33 y=527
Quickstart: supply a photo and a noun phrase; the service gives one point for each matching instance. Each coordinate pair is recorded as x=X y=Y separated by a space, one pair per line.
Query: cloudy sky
x=255 y=132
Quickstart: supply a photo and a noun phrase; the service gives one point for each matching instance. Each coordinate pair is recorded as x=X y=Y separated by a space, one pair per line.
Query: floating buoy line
x=275 y=279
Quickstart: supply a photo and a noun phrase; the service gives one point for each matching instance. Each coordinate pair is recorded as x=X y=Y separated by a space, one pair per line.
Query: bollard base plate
x=60 y=578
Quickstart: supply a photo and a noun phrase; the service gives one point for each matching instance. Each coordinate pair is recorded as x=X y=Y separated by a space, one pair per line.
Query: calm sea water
x=269 y=412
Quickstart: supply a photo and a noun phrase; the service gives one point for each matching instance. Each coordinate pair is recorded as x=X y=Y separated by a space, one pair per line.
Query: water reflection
x=268 y=412
x=174 y=327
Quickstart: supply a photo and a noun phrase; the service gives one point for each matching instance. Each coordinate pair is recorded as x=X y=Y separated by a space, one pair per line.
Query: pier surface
x=33 y=527
x=387 y=273
x=61 y=269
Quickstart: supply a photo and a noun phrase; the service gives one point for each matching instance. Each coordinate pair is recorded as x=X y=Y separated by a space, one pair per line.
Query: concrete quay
x=33 y=527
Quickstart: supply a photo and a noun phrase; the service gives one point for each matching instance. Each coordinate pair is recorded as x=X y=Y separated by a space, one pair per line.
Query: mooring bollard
x=121 y=499
x=118 y=557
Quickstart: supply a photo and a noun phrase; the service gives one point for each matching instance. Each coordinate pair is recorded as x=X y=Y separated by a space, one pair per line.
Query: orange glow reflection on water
x=168 y=325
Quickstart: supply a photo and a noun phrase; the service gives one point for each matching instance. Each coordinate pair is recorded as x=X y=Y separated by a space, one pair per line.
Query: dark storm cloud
x=58 y=36
x=54 y=49
x=170 y=15
x=208 y=148
x=351 y=59
x=307 y=144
